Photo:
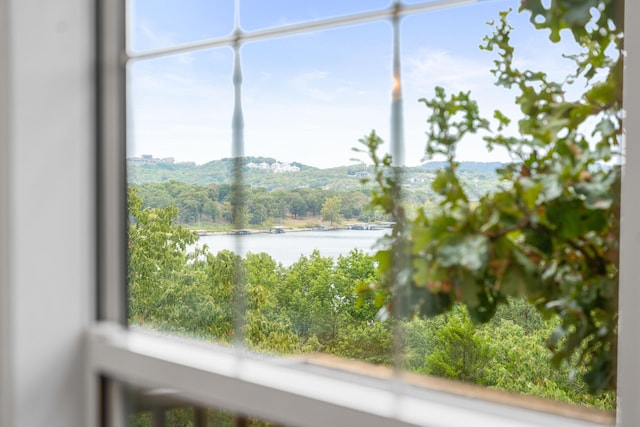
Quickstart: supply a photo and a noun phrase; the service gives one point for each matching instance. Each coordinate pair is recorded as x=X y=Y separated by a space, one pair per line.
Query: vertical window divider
x=238 y=187
x=399 y=276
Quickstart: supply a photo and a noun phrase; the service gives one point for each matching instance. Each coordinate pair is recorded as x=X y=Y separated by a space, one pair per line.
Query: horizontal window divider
x=303 y=27
x=291 y=391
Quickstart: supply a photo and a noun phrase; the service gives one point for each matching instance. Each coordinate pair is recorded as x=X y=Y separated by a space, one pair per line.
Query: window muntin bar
x=258 y=14
x=303 y=28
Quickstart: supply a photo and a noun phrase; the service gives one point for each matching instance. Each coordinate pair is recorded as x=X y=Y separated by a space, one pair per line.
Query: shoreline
x=282 y=229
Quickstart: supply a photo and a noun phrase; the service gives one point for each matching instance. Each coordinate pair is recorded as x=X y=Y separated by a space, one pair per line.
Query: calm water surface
x=287 y=248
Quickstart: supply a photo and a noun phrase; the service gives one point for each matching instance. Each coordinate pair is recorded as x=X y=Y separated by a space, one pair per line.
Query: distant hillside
x=220 y=171
x=258 y=174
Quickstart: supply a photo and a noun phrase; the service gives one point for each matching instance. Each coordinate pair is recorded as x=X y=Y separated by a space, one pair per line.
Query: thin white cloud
x=149 y=38
x=310 y=84
x=265 y=75
x=177 y=114
x=318 y=85
x=455 y=72
x=431 y=67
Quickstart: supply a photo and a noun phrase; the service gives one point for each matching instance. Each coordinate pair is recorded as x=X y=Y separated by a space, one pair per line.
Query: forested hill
x=338 y=178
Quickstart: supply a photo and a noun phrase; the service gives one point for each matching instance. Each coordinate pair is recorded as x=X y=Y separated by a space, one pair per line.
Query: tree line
x=210 y=206
x=202 y=204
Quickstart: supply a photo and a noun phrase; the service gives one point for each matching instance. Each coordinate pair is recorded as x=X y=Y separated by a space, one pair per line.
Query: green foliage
x=550 y=232
x=220 y=172
x=331 y=210
x=184 y=417
x=211 y=206
x=509 y=353
x=370 y=342
x=318 y=295
x=157 y=260
x=459 y=351
x=314 y=305
x=267 y=329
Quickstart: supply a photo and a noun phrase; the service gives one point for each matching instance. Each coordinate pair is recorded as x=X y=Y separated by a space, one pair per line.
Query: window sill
x=313 y=391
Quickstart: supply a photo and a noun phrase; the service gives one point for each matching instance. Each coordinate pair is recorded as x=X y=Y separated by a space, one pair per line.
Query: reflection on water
x=287 y=248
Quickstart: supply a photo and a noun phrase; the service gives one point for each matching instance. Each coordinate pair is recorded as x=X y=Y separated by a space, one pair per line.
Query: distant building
x=148 y=158
x=361 y=174
x=276 y=167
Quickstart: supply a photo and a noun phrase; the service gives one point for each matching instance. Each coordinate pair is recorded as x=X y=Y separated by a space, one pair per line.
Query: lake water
x=287 y=248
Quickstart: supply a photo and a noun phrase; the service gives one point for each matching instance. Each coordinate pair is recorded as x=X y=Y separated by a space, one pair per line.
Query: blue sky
x=310 y=97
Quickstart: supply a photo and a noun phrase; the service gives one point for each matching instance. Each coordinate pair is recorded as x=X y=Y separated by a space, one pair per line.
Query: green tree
x=297 y=205
x=258 y=213
x=352 y=272
x=306 y=297
x=367 y=341
x=353 y=203
x=315 y=199
x=157 y=259
x=459 y=351
x=267 y=329
x=331 y=210
x=211 y=209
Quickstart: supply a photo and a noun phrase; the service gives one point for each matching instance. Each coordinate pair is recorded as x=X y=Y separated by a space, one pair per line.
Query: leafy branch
x=550 y=233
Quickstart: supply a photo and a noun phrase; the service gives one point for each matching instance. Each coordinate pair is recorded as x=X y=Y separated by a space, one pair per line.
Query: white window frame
x=293 y=392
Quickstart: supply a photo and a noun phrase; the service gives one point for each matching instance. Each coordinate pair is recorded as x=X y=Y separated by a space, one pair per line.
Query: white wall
x=46 y=204
x=5 y=367
x=629 y=349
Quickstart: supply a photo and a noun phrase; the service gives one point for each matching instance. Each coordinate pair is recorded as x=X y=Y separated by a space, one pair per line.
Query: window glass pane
x=257 y=14
x=156 y=25
x=436 y=53
x=258 y=250
x=511 y=351
x=313 y=109
x=310 y=242
x=179 y=109
x=308 y=114
x=178 y=116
